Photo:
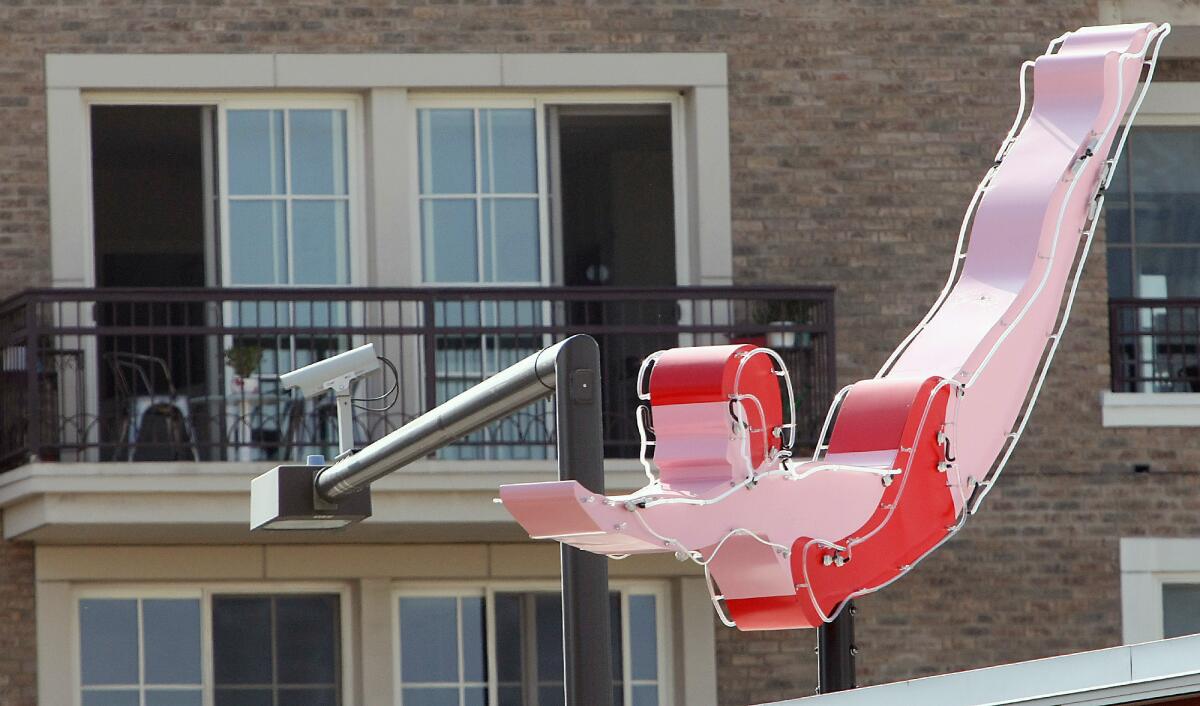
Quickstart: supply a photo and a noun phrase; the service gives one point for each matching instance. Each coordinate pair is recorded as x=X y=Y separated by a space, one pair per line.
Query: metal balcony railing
x=1155 y=345
x=192 y=374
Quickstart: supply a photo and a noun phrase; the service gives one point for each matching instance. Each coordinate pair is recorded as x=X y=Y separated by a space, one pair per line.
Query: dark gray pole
x=835 y=653
x=572 y=368
x=587 y=653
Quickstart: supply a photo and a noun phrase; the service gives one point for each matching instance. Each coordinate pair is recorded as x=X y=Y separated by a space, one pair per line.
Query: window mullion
x=462 y=674
x=141 y=657
x=274 y=654
x=529 y=649
x=287 y=193
x=493 y=673
x=479 y=271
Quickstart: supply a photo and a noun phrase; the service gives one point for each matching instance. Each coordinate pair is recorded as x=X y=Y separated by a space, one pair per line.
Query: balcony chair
x=153 y=425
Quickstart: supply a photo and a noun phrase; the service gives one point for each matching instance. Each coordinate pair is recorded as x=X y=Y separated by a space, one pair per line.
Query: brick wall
x=859 y=130
x=18 y=635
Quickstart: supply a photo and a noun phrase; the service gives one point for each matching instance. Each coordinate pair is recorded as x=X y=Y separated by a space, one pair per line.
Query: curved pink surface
x=789 y=542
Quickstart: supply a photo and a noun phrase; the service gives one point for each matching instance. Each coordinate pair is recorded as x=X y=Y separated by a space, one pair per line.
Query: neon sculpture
x=903 y=458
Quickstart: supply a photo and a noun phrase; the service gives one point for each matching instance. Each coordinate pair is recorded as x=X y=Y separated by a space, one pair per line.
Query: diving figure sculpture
x=906 y=457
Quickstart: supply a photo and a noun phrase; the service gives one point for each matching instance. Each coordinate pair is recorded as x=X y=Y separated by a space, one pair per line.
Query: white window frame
x=204 y=592
x=224 y=102
x=488 y=589
x=539 y=102
x=1174 y=104
x=1148 y=564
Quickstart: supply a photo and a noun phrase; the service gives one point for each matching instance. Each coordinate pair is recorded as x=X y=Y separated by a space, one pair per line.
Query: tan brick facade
x=859 y=129
x=18 y=633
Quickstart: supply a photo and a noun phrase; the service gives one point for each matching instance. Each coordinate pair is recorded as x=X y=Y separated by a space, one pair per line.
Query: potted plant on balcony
x=244 y=359
x=782 y=317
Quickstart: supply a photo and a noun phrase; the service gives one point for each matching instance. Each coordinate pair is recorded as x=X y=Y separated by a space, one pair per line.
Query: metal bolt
x=853 y=651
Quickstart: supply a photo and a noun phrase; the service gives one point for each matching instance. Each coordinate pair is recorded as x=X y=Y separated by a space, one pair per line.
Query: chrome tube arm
x=504 y=393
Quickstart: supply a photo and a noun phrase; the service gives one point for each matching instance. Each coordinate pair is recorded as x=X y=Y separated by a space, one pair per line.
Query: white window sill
x=1150 y=409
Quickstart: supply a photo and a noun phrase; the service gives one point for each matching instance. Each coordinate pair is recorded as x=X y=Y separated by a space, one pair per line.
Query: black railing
x=192 y=374
x=1155 y=345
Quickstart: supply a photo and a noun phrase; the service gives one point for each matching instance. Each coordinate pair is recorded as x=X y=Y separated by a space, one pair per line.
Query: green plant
x=779 y=310
x=244 y=359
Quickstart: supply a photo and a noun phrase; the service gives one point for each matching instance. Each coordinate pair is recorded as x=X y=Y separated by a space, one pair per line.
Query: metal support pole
x=345 y=420
x=587 y=653
x=835 y=653
x=572 y=369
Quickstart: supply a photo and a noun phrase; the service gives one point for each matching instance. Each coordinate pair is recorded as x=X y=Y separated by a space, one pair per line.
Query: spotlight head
x=284 y=498
x=332 y=373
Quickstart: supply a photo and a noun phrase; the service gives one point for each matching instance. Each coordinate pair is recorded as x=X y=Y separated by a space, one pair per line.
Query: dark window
x=1181 y=609
x=1153 y=227
x=281 y=650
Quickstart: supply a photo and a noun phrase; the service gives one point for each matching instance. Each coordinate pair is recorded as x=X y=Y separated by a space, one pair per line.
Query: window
x=139 y=652
x=1181 y=609
x=504 y=647
x=288 y=197
x=479 y=195
x=275 y=650
x=480 y=209
x=1160 y=588
x=265 y=650
x=1153 y=226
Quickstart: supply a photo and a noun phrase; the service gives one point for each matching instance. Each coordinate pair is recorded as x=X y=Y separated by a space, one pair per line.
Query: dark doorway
x=618 y=201
x=149 y=198
x=616 y=228
x=148 y=195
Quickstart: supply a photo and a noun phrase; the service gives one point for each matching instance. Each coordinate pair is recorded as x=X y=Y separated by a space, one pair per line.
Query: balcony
x=170 y=375
x=1155 y=345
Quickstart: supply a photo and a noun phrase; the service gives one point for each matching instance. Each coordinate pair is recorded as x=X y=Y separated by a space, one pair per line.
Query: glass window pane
x=511 y=251
x=507 y=607
x=308 y=697
x=553 y=695
x=511 y=696
x=244 y=697
x=643 y=637
x=255 y=140
x=257 y=242
x=474 y=638
x=171 y=630
x=1168 y=272
x=306 y=639
x=447 y=139
x=614 y=632
x=548 y=617
x=645 y=696
x=1120 y=272
x=1181 y=609
x=1166 y=185
x=475 y=696
x=429 y=640
x=508 y=146
x=110 y=698
x=431 y=697
x=241 y=640
x=318 y=151
x=108 y=641
x=173 y=697
x=448 y=240
x=320 y=236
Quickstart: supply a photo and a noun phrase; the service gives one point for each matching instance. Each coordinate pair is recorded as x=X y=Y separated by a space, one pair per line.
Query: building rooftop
x=1117 y=675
